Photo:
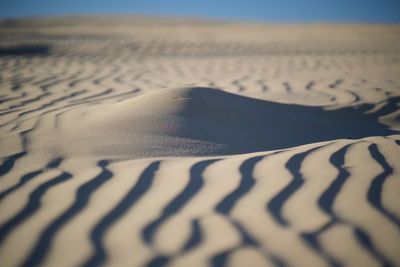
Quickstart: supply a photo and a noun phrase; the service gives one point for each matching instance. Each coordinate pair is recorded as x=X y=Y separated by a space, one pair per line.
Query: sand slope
x=196 y=121
x=153 y=142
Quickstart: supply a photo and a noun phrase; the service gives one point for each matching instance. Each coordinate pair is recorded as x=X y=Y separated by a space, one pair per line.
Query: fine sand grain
x=135 y=141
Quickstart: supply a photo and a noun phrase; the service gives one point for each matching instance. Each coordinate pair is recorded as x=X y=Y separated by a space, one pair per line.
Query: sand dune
x=154 y=142
x=196 y=121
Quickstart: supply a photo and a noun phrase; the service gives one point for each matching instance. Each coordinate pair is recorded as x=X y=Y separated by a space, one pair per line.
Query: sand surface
x=137 y=141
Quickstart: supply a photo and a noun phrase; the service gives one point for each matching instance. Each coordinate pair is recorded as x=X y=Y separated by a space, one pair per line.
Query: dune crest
x=197 y=121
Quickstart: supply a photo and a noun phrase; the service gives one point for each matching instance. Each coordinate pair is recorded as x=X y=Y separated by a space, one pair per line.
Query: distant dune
x=139 y=141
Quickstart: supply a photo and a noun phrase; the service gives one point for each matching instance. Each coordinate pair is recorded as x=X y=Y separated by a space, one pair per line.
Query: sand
x=137 y=141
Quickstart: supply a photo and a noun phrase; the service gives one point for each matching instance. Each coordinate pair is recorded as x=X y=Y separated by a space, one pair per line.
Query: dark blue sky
x=247 y=10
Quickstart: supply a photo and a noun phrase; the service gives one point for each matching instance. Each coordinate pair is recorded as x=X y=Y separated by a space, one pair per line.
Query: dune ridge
x=197 y=121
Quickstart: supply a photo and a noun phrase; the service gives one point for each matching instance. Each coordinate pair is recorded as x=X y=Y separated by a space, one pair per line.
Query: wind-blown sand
x=152 y=142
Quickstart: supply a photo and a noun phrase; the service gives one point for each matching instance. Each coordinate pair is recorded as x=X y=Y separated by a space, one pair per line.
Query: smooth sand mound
x=196 y=121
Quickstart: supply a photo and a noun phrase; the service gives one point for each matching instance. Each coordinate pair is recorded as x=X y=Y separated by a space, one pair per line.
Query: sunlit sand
x=135 y=141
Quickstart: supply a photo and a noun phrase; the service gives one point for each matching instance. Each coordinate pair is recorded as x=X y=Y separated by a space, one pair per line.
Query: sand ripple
x=187 y=143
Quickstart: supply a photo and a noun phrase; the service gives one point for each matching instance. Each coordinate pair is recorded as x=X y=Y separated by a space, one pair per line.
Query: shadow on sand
x=25 y=50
